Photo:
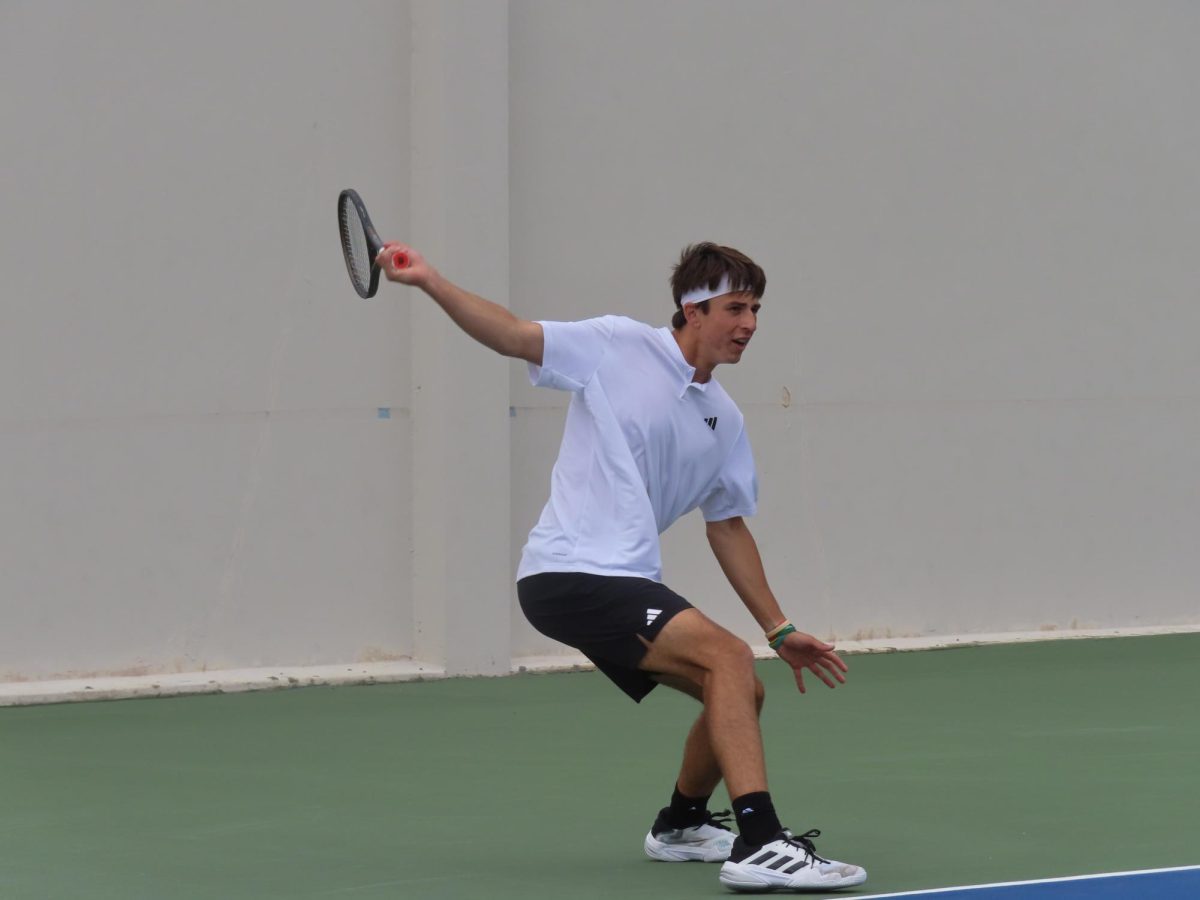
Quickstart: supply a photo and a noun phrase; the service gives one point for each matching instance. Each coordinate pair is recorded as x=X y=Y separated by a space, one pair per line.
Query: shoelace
x=804 y=842
x=720 y=820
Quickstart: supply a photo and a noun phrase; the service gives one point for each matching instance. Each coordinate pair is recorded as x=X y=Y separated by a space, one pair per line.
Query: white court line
x=1004 y=884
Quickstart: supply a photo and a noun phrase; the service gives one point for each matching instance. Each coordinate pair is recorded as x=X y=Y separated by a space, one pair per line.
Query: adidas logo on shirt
x=711 y=423
x=651 y=615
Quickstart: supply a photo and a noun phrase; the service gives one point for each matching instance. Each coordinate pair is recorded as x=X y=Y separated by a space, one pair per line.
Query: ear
x=692 y=314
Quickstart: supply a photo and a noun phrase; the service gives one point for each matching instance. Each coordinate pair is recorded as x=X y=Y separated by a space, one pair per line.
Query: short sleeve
x=572 y=352
x=735 y=491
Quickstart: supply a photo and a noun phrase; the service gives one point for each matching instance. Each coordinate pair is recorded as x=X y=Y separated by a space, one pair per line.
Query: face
x=731 y=321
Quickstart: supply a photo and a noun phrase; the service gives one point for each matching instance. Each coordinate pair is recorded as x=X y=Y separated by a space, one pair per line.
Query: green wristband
x=777 y=642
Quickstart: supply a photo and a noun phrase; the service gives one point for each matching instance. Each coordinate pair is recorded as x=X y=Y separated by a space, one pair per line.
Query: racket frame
x=374 y=244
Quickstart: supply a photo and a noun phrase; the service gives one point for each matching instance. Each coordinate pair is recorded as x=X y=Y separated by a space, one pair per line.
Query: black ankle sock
x=686 y=811
x=756 y=819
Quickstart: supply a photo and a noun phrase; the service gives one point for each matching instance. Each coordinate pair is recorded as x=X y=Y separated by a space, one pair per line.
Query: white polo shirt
x=643 y=445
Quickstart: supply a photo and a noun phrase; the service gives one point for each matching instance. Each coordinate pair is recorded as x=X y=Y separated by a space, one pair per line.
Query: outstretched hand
x=417 y=271
x=803 y=651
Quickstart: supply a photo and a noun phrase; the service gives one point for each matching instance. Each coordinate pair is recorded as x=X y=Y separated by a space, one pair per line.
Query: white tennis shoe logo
x=651 y=615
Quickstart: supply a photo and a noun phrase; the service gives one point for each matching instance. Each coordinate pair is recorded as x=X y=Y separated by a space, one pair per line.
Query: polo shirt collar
x=686 y=371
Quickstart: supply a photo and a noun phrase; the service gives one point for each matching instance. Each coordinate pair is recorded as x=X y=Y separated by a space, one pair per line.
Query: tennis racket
x=361 y=244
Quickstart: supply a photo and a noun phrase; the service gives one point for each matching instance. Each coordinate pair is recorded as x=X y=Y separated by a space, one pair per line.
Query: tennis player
x=651 y=435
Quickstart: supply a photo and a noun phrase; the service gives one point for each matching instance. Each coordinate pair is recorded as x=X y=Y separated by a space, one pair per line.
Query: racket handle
x=399 y=260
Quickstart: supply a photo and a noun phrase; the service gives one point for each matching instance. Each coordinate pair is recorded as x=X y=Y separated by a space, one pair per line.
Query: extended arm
x=736 y=550
x=487 y=322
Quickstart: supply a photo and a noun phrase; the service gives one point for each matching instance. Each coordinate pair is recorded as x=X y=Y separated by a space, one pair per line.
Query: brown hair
x=703 y=265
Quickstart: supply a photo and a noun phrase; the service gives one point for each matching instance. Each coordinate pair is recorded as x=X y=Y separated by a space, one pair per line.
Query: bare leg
x=700 y=772
x=694 y=648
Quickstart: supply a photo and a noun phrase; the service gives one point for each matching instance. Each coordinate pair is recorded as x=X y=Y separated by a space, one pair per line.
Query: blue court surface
x=1153 y=884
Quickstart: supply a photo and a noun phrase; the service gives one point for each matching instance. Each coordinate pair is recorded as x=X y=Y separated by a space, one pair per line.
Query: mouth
x=741 y=342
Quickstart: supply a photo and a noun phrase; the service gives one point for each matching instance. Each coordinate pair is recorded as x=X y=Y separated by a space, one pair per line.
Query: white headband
x=700 y=294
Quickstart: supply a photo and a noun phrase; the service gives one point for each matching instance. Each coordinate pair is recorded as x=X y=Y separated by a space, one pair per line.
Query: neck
x=689 y=346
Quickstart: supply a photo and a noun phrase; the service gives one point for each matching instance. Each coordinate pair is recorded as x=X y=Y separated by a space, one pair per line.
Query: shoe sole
x=743 y=882
x=656 y=849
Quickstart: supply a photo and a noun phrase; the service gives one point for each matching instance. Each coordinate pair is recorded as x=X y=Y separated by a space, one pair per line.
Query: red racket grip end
x=399 y=260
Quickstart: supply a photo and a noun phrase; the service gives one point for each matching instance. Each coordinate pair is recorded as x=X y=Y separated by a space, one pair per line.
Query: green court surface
x=931 y=769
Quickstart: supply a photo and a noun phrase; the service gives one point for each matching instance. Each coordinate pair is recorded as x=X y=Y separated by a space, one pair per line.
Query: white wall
x=975 y=392
x=195 y=474
x=973 y=397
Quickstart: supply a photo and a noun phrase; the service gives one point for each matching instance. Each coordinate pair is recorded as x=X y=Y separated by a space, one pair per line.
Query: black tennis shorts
x=602 y=616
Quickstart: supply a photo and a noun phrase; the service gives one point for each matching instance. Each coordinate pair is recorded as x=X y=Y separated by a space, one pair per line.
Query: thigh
x=678 y=682
x=691 y=645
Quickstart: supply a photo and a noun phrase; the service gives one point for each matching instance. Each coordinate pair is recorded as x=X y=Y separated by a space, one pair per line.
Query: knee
x=734 y=655
x=733 y=664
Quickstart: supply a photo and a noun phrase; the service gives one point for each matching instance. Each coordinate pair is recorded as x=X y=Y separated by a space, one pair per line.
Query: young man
x=651 y=435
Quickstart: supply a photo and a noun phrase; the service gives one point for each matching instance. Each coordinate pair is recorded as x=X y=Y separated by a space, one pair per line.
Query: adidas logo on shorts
x=651 y=615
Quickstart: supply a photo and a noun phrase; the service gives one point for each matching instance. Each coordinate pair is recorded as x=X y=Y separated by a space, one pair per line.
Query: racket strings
x=354 y=243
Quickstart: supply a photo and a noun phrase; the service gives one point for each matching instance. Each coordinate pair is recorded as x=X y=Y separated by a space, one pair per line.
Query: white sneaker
x=787 y=863
x=710 y=841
